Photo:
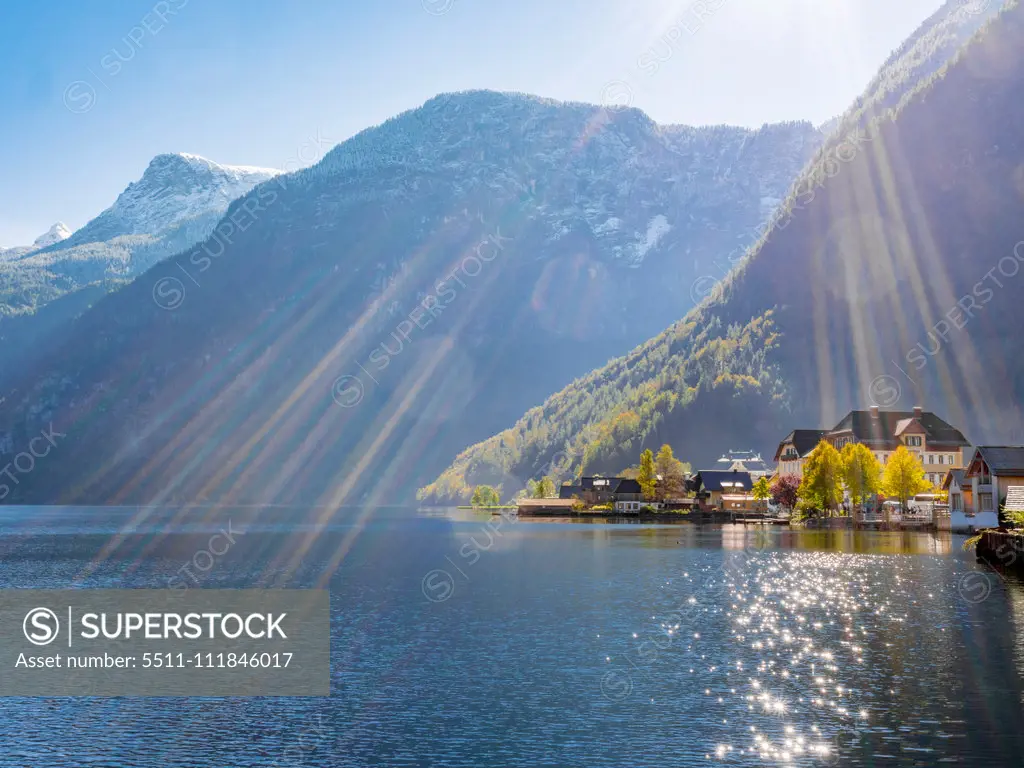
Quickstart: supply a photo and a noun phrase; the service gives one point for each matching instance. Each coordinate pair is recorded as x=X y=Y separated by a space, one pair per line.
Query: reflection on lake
x=462 y=640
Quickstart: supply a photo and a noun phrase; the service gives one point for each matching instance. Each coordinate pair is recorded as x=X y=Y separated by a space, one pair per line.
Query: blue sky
x=90 y=92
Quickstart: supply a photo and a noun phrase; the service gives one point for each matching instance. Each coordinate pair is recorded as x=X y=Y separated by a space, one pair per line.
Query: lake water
x=461 y=641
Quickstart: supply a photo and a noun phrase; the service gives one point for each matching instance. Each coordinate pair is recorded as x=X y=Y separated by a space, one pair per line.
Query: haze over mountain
x=891 y=278
x=176 y=203
x=352 y=325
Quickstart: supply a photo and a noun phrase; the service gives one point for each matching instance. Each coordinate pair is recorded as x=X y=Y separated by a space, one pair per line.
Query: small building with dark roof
x=712 y=486
x=959 y=490
x=602 y=490
x=991 y=472
x=795 y=448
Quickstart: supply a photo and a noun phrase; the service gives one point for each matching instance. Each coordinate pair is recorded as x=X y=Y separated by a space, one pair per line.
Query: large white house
x=939 y=445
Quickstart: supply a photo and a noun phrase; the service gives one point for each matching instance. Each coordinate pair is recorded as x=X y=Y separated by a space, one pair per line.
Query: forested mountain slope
x=892 y=277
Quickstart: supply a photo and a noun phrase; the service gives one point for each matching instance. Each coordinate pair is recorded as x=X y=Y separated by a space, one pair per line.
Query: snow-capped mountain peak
x=200 y=162
x=174 y=189
x=176 y=203
x=54 y=234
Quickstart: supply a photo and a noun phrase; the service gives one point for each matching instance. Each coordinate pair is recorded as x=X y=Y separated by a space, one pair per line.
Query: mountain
x=890 y=277
x=176 y=190
x=349 y=327
x=53 y=235
x=925 y=52
x=176 y=203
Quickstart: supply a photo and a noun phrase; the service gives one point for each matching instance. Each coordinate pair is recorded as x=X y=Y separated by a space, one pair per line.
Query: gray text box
x=151 y=642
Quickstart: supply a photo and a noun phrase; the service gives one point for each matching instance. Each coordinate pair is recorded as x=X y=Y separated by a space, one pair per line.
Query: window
x=942 y=459
x=986 y=502
x=955 y=502
x=914 y=440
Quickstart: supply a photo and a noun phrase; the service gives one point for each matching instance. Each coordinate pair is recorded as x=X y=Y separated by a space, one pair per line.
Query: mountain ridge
x=333 y=268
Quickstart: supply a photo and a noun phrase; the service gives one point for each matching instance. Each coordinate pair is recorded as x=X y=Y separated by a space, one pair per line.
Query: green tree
x=544 y=488
x=762 y=491
x=822 y=484
x=485 y=496
x=647 y=477
x=862 y=474
x=904 y=477
x=670 y=475
x=1012 y=518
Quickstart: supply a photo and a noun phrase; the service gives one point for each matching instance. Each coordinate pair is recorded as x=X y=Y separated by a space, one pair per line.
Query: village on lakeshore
x=875 y=468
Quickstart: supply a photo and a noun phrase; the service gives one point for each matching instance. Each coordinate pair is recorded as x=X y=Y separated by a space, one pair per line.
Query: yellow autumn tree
x=904 y=477
x=762 y=491
x=647 y=477
x=862 y=474
x=822 y=484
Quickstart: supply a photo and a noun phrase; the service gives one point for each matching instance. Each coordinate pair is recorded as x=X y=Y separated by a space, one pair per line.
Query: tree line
x=830 y=475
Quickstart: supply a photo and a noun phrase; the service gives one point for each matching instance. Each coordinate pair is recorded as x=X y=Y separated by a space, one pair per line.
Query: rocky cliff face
x=426 y=281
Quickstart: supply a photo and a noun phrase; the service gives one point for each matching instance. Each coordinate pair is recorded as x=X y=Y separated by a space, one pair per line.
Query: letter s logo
x=41 y=626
